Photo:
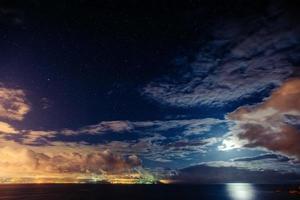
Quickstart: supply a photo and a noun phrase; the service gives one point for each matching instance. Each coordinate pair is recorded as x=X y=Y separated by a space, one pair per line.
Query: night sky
x=176 y=91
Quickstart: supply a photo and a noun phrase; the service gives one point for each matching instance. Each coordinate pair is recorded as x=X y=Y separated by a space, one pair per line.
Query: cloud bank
x=22 y=161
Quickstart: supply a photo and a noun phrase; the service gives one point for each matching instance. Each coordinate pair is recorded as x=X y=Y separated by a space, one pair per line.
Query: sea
x=231 y=191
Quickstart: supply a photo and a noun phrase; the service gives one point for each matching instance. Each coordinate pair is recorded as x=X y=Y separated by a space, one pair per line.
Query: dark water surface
x=163 y=192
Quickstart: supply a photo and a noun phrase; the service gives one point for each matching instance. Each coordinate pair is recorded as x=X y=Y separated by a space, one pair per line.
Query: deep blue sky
x=89 y=59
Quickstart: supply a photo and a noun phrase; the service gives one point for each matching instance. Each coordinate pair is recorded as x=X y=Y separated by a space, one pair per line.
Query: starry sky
x=190 y=91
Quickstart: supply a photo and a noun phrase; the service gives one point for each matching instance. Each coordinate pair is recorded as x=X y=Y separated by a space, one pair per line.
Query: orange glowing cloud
x=13 y=105
x=27 y=161
x=6 y=128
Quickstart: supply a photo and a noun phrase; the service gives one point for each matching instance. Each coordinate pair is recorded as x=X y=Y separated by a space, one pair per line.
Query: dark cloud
x=237 y=63
x=262 y=157
x=208 y=174
x=10 y=15
x=188 y=126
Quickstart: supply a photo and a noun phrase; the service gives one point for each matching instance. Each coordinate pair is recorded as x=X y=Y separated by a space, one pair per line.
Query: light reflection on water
x=240 y=191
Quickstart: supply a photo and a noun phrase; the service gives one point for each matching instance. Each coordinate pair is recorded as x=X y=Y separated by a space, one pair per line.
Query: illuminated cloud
x=272 y=125
x=36 y=137
x=102 y=127
x=31 y=153
x=20 y=160
x=13 y=104
x=189 y=126
x=235 y=65
x=162 y=149
x=6 y=128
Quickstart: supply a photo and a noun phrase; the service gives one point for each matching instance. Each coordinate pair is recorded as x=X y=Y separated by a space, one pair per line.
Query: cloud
x=176 y=131
x=262 y=157
x=103 y=127
x=228 y=174
x=31 y=153
x=13 y=104
x=238 y=62
x=6 y=128
x=10 y=16
x=161 y=141
x=157 y=147
x=33 y=137
x=21 y=161
x=268 y=125
x=283 y=164
x=189 y=126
